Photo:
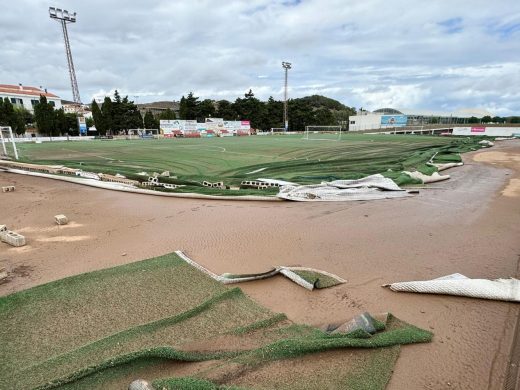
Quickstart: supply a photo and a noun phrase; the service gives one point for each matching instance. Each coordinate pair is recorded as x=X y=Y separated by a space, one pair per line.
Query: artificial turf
x=233 y=159
x=100 y=329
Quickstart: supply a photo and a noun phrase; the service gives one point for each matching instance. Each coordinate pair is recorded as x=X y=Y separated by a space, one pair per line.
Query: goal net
x=323 y=133
x=277 y=130
x=6 y=136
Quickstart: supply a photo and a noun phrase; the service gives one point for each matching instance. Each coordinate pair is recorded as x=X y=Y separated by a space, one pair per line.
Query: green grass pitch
x=234 y=159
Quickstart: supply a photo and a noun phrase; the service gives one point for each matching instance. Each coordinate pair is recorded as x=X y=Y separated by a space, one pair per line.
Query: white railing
x=50 y=139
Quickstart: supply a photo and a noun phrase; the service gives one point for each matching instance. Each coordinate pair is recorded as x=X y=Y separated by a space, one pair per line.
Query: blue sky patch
x=452 y=25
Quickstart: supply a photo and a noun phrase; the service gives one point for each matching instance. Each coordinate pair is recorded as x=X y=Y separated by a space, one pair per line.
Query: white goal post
x=323 y=133
x=277 y=130
x=6 y=138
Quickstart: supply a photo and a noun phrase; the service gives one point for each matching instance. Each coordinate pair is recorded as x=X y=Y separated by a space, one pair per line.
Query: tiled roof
x=24 y=90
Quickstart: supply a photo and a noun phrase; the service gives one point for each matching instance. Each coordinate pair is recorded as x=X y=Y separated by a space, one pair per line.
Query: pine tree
x=106 y=110
x=44 y=116
x=168 y=114
x=99 y=119
x=188 y=108
x=60 y=123
x=149 y=121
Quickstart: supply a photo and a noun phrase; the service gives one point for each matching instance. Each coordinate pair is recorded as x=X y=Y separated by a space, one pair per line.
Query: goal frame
x=8 y=129
x=337 y=128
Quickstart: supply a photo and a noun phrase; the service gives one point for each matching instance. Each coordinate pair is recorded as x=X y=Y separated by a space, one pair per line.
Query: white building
x=391 y=117
x=27 y=97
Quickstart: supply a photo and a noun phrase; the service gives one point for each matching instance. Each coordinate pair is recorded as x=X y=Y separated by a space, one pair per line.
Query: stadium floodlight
x=286 y=66
x=62 y=14
x=64 y=17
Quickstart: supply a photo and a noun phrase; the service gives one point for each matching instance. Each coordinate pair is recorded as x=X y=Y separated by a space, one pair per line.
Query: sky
x=439 y=55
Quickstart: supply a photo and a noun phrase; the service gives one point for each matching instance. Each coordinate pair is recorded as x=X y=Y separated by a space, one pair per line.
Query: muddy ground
x=469 y=224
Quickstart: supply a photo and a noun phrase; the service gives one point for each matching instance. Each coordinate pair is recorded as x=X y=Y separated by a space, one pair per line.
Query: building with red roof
x=27 y=97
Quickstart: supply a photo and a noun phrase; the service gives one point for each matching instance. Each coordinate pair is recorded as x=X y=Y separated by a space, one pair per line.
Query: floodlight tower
x=286 y=66
x=64 y=17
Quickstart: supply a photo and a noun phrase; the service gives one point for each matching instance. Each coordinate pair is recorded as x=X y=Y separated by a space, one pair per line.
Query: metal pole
x=286 y=66
x=72 y=71
x=64 y=17
x=285 y=120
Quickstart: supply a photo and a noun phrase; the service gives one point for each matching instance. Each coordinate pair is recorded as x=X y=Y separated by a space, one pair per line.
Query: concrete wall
x=364 y=122
x=49 y=139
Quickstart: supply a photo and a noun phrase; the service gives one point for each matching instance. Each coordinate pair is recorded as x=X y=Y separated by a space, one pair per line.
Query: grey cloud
x=369 y=53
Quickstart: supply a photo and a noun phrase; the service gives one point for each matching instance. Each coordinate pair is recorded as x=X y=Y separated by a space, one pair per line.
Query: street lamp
x=286 y=66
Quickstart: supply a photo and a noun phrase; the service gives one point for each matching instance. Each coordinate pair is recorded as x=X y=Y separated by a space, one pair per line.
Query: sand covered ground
x=469 y=224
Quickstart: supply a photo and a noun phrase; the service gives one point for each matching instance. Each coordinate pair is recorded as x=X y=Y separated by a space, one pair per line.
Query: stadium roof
x=463 y=113
x=23 y=90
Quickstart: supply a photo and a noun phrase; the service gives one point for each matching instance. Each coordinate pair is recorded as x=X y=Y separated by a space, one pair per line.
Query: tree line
x=50 y=122
x=310 y=110
x=118 y=115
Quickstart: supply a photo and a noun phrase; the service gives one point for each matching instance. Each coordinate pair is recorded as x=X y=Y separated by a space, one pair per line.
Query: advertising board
x=394 y=120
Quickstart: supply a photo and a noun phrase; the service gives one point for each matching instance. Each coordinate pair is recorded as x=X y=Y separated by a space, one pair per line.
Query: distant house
x=73 y=108
x=27 y=97
x=157 y=108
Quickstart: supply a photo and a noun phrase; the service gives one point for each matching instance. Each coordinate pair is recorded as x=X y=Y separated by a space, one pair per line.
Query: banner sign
x=214 y=120
x=231 y=125
x=190 y=125
x=394 y=120
x=169 y=126
x=478 y=129
x=214 y=123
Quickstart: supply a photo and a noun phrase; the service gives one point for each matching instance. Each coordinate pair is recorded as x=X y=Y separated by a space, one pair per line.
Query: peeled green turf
x=150 y=318
x=318 y=280
x=232 y=159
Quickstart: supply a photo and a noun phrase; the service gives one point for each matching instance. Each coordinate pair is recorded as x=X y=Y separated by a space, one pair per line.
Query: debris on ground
x=10 y=237
x=368 y=188
x=8 y=188
x=458 y=284
x=364 y=322
x=443 y=167
x=3 y=274
x=486 y=143
x=218 y=335
x=218 y=184
x=308 y=278
x=425 y=179
x=140 y=384
x=61 y=219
